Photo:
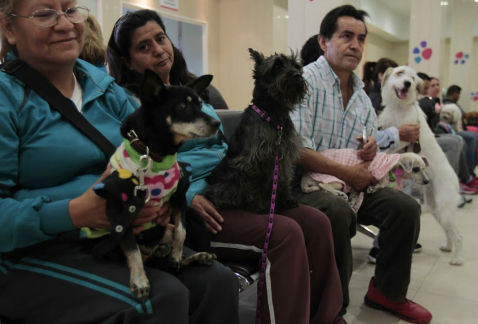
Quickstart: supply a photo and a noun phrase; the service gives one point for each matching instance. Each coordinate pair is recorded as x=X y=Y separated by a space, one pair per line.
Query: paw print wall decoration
x=474 y=96
x=422 y=52
x=461 y=58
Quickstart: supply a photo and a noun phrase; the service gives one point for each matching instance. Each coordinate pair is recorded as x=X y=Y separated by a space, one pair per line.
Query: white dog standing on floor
x=399 y=93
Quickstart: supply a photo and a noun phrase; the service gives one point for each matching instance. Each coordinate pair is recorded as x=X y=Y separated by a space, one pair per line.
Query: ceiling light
x=444 y=3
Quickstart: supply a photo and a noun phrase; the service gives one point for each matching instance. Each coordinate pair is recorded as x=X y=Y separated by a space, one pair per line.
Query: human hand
x=360 y=177
x=368 y=151
x=208 y=212
x=88 y=210
x=409 y=132
x=152 y=211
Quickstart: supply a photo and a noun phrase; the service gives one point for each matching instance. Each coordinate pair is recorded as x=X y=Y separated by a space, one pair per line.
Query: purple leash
x=262 y=273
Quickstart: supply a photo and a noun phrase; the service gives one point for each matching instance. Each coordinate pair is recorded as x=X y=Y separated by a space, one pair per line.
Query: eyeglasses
x=49 y=17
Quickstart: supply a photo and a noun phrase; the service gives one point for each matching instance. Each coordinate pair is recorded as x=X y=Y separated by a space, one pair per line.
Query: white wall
x=386 y=19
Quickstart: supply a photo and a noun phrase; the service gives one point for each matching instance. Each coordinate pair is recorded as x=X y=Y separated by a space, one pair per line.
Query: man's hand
x=368 y=151
x=360 y=177
x=409 y=132
x=208 y=212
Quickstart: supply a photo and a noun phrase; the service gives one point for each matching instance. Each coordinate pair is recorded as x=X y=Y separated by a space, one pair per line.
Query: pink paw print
x=461 y=58
x=474 y=96
x=422 y=52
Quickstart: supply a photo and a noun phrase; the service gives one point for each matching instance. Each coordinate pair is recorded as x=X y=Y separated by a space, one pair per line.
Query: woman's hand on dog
x=159 y=214
x=409 y=132
x=208 y=212
x=89 y=210
x=368 y=151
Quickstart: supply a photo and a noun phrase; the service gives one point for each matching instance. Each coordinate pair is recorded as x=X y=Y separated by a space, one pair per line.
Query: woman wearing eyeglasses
x=47 y=171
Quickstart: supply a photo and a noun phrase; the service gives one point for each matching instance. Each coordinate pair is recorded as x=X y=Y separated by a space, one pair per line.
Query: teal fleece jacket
x=203 y=154
x=45 y=160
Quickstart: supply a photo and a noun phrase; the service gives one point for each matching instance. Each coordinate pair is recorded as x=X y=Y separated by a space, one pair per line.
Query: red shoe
x=466 y=189
x=407 y=310
x=473 y=183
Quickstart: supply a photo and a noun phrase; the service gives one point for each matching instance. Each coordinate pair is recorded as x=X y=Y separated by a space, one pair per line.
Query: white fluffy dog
x=451 y=114
x=400 y=86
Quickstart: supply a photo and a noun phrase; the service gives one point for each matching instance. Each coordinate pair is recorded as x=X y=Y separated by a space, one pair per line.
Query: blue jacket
x=203 y=154
x=45 y=160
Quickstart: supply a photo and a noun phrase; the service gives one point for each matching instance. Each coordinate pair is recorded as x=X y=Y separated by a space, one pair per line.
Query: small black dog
x=243 y=179
x=146 y=168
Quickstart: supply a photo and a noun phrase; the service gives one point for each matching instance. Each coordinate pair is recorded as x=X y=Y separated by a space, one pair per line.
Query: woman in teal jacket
x=47 y=171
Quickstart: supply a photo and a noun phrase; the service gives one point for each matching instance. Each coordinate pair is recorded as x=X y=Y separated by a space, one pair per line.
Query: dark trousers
x=302 y=282
x=64 y=283
x=396 y=215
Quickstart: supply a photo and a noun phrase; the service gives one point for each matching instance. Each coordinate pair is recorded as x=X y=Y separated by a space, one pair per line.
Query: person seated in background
x=367 y=78
x=311 y=50
x=468 y=184
x=322 y=123
x=94 y=50
x=302 y=283
x=48 y=171
x=375 y=94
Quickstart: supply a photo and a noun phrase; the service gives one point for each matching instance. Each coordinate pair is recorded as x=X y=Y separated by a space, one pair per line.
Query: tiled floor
x=449 y=292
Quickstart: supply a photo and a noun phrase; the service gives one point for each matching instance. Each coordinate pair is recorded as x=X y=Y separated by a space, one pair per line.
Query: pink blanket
x=381 y=164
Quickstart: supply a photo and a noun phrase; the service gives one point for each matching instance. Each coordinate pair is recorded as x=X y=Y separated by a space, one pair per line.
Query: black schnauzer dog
x=145 y=167
x=243 y=179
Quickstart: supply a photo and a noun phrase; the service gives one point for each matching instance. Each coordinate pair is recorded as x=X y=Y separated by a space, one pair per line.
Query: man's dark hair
x=453 y=89
x=311 y=50
x=329 y=23
x=382 y=65
x=423 y=76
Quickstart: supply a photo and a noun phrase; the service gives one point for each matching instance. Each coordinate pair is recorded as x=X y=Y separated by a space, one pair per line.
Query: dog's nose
x=407 y=84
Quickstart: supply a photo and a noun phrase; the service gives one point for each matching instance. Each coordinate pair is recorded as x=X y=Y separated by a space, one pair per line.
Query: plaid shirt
x=321 y=119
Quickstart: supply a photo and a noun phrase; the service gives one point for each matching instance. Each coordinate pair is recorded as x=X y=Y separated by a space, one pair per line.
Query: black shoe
x=418 y=248
x=372 y=255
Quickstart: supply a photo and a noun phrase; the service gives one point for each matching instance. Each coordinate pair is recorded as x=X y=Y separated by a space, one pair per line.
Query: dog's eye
x=399 y=73
x=416 y=169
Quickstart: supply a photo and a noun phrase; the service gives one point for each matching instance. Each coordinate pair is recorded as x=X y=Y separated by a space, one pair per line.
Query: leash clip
x=141 y=174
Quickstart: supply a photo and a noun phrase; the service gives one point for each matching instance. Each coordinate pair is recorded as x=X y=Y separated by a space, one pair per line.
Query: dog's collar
x=166 y=162
x=263 y=115
x=137 y=145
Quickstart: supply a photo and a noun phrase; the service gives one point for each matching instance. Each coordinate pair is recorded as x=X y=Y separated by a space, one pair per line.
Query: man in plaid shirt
x=334 y=114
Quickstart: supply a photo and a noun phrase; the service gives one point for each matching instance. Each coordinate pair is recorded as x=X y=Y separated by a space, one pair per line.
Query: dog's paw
x=200 y=258
x=162 y=250
x=140 y=288
x=445 y=248
x=457 y=261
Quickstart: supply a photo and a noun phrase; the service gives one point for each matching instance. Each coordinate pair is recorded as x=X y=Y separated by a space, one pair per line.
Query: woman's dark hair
x=382 y=65
x=311 y=50
x=120 y=43
x=367 y=78
x=329 y=23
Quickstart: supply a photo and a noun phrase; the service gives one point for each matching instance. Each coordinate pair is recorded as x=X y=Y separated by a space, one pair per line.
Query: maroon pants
x=302 y=281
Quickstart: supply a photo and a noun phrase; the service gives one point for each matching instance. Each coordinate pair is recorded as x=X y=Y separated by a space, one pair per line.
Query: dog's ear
x=406 y=162
x=420 y=84
x=200 y=84
x=151 y=86
x=425 y=160
x=256 y=56
x=387 y=73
